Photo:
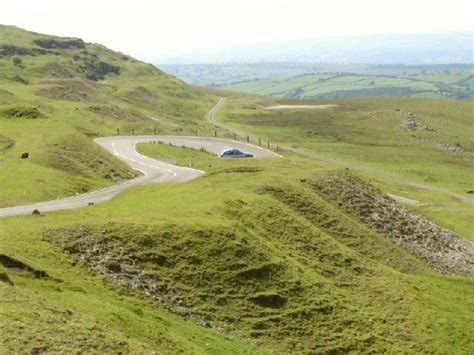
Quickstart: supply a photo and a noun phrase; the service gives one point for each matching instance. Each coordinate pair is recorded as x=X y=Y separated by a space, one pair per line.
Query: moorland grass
x=251 y=262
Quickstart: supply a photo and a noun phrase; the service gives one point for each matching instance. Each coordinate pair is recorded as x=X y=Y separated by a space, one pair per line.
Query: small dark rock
x=36 y=212
x=25 y=155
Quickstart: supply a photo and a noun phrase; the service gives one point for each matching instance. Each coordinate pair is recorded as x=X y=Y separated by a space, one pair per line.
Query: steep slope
x=57 y=93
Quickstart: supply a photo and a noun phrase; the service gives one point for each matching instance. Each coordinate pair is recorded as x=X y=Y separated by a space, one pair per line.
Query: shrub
x=97 y=70
x=17 y=62
x=63 y=44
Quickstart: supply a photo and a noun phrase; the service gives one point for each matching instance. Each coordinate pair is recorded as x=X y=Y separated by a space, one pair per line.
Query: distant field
x=328 y=81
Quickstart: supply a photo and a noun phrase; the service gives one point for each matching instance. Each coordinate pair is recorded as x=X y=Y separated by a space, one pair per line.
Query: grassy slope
x=55 y=110
x=367 y=132
x=246 y=259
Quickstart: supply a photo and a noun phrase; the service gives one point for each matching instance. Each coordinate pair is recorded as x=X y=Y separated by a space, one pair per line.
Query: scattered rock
x=25 y=155
x=36 y=212
x=440 y=248
x=90 y=204
x=454 y=148
x=410 y=124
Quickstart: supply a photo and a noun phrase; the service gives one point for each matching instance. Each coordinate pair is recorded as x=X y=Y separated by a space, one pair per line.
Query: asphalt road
x=154 y=171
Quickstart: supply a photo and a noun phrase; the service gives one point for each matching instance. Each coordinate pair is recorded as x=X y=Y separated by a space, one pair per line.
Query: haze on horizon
x=157 y=30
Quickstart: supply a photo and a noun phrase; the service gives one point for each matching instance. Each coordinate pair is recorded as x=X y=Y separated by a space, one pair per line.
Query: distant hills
x=428 y=65
x=332 y=81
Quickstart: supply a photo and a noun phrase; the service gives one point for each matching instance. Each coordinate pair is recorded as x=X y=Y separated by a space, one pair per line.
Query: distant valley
x=333 y=81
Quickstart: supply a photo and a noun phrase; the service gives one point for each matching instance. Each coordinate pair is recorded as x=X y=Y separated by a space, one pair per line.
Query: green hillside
x=58 y=93
x=278 y=255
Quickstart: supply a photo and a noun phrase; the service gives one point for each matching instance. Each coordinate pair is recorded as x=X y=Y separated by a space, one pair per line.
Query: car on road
x=234 y=153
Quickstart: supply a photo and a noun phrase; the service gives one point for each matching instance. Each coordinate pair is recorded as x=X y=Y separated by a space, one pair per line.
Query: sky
x=157 y=29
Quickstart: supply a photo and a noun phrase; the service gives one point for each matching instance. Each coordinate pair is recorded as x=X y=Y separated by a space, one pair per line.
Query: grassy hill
x=256 y=256
x=57 y=93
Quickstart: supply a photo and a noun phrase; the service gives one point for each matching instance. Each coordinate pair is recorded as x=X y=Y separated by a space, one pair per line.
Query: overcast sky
x=160 y=29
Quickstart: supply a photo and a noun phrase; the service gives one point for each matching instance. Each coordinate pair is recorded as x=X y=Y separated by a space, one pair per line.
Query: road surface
x=154 y=171
x=400 y=180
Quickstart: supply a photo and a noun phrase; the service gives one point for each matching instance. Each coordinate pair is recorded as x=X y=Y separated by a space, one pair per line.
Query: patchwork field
x=333 y=81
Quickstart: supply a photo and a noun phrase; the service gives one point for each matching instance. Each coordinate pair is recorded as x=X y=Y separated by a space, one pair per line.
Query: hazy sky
x=159 y=29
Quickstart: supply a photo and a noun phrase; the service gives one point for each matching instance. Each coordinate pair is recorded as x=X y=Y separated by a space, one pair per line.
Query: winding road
x=154 y=171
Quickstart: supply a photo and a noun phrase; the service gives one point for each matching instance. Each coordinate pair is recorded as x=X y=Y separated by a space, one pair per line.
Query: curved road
x=154 y=171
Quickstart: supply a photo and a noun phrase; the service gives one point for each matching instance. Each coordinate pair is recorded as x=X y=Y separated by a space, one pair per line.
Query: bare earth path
x=154 y=171
x=371 y=171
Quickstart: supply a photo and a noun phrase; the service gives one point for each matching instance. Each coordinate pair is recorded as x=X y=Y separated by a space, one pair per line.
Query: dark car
x=234 y=153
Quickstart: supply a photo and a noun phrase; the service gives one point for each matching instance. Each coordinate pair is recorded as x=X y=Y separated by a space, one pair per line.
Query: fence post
x=154 y=131
x=235 y=137
x=215 y=134
x=118 y=131
x=268 y=144
x=248 y=139
x=259 y=141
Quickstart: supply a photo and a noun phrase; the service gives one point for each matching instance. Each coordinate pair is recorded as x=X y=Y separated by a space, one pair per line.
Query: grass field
x=331 y=81
x=217 y=248
x=439 y=151
x=257 y=255
x=348 y=85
